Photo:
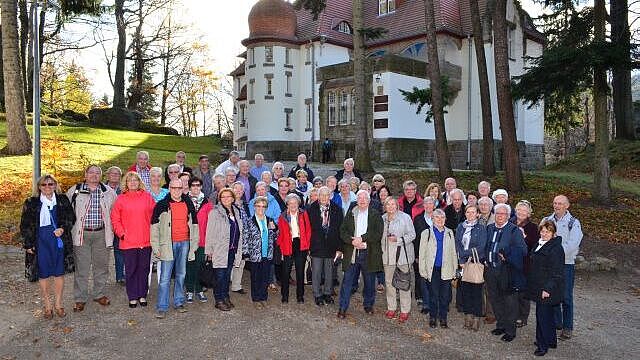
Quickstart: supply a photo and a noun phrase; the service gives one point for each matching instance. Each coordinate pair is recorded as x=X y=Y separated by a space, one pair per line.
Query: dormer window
x=344 y=28
x=386 y=6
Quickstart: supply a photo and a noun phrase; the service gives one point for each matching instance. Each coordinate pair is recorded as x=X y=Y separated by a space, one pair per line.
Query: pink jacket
x=131 y=219
x=203 y=218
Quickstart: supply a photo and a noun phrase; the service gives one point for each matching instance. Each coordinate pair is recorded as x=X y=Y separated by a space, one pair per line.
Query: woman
x=485 y=205
x=354 y=182
x=131 y=221
x=438 y=262
x=531 y=235
x=318 y=182
x=294 y=239
x=240 y=203
x=471 y=235
x=347 y=171
x=273 y=209
x=422 y=222
x=203 y=207
x=302 y=184
x=435 y=192
x=546 y=284
x=223 y=245
x=377 y=181
x=313 y=196
x=278 y=173
x=346 y=196
x=156 y=190
x=397 y=252
x=257 y=248
x=45 y=228
x=383 y=193
x=472 y=198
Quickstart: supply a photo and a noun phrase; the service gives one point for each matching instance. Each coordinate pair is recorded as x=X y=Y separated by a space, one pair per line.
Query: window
x=344 y=106
x=511 y=43
x=386 y=6
x=268 y=54
x=308 y=55
x=269 y=86
x=416 y=51
x=243 y=120
x=353 y=106
x=251 y=85
x=376 y=54
x=344 y=28
x=288 y=84
x=287 y=56
x=308 y=118
x=287 y=119
x=332 y=108
x=251 y=54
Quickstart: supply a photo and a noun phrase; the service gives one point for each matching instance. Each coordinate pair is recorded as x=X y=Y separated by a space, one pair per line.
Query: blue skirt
x=50 y=256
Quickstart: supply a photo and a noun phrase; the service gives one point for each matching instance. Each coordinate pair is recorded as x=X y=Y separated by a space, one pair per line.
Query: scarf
x=466 y=237
x=302 y=187
x=47 y=206
x=197 y=200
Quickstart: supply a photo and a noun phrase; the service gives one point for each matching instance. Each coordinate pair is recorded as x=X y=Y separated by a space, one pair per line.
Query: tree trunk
x=362 y=143
x=24 y=40
x=513 y=172
x=601 y=173
x=118 y=81
x=488 y=163
x=621 y=82
x=137 y=84
x=2 y=108
x=435 y=82
x=166 y=61
x=18 y=141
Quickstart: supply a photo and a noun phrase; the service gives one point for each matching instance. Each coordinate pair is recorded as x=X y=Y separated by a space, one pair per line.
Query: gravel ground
x=607 y=327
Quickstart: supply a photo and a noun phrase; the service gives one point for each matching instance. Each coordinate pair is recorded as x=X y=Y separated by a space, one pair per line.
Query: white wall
x=403 y=120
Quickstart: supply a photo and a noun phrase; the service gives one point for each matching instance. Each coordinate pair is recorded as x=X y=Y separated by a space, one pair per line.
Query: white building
x=295 y=87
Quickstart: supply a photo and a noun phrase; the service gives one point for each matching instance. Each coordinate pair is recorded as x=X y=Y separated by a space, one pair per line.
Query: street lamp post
x=36 y=94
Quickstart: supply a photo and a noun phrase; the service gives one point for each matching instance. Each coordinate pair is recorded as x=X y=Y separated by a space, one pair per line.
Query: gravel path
x=607 y=327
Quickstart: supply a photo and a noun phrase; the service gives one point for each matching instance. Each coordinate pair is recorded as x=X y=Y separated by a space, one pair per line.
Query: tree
x=601 y=173
x=18 y=141
x=435 y=82
x=621 y=79
x=510 y=151
x=118 y=80
x=488 y=163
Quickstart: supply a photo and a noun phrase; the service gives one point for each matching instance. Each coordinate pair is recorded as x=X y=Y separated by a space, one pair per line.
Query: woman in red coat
x=131 y=220
x=294 y=240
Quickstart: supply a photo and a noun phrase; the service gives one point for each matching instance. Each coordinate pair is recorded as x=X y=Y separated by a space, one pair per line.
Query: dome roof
x=272 y=18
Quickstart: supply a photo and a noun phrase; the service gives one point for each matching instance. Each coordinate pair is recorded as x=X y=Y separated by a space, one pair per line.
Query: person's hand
x=501 y=256
x=58 y=232
x=545 y=295
x=462 y=266
x=356 y=241
x=271 y=225
x=31 y=251
x=392 y=238
x=209 y=256
x=338 y=253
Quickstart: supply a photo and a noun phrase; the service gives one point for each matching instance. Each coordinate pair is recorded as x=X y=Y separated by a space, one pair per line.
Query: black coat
x=292 y=172
x=420 y=225
x=30 y=222
x=325 y=244
x=547 y=273
x=454 y=218
x=340 y=174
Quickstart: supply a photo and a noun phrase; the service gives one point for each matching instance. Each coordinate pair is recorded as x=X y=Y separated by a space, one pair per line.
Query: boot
x=467 y=321
x=475 y=326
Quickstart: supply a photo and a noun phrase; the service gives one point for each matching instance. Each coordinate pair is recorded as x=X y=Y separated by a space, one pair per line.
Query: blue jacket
x=273 y=210
x=478 y=241
x=511 y=244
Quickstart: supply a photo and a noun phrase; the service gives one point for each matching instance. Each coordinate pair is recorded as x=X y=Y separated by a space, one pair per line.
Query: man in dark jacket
x=248 y=180
x=505 y=249
x=455 y=211
x=325 y=218
x=302 y=164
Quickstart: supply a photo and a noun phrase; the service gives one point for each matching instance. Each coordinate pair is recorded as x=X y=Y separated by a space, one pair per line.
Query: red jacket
x=285 y=242
x=131 y=219
x=203 y=218
x=417 y=208
x=134 y=167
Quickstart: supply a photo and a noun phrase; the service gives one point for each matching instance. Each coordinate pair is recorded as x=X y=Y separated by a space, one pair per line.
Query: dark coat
x=547 y=273
x=373 y=238
x=340 y=174
x=478 y=241
x=324 y=244
x=511 y=244
x=185 y=168
x=531 y=237
x=30 y=222
x=453 y=218
x=292 y=172
x=420 y=225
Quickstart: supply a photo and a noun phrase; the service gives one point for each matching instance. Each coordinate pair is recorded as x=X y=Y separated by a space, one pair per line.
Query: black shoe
x=229 y=303
x=507 y=338
x=342 y=314
x=241 y=291
x=133 y=305
x=424 y=311
x=368 y=310
x=221 y=305
x=443 y=324
x=285 y=300
x=353 y=291
x=552 y=346
x=143 y=303
x=497 y=331
x=319 y=301
x=432 y=323
x=521 y=323
x=300 y=300
x=328 y=299
x=540 y=352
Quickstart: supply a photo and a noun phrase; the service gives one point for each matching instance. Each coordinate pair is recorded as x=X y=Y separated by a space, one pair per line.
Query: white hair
x=349 y=160
x=368 y=196
x=232 y=169
x=502 y=206
x=439 y=212
x=173 y=166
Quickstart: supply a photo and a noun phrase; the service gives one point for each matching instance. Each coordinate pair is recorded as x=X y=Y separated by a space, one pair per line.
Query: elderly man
x=449 y=185
x=219 y=183
x=361 y=232
x=259 y=167
x=505 y=247
x=181 y=157
x=501 y=196
x=569 y=228
x=233 y=159
x=114 y=174
x=173 y=171
x=410 y=202
x=204 y=173
x=248 y=180
x=348 y=171
x=92 y=236
x=302 y=164
x=455 y=210
x=142 y=167
x=484 y=188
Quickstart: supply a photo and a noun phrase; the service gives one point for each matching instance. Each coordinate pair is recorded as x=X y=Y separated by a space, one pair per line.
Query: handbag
x=31 y=266
x=206 y=275
x=401 y=280
x=473 y=271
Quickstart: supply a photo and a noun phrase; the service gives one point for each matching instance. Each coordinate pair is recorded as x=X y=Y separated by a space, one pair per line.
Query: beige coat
x=218 y=237
x=427 y=254
x=161 y=243
x=81 y=205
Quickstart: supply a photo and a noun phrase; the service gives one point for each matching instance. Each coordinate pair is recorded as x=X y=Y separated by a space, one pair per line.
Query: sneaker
x=419 y=301
x=379 y=288
x=181 y=309
x=201 y=297
x=565 y=334
x=161 y=314
x=189 y=298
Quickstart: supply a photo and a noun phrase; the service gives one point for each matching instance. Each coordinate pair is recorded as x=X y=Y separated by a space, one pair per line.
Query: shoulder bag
x=401 y=280
x=473 y=271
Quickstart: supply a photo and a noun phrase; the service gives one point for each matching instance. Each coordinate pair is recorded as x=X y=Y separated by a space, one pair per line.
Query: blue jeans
x=119 y=259
x=564 y=312
x=440 y=295
x=223 y=277
x=179 y=264
x=351 y=276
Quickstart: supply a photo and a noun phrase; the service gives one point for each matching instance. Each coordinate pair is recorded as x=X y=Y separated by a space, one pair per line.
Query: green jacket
x=161 y=242
x=373 y=238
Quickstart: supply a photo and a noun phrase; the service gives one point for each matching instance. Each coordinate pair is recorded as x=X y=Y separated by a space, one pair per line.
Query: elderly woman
x=397 y=252
x=471 y=236
x=354 y=182
x=202 y=206
x=294 y=238
x=156 y=190
x=486 y=216
x=317 y=182
x=313 y=197
x=173 y=172
x=273 y=209
x=501 y=196
x=131 y=219
x=113 y=176
x=377 y=181
x=438 y=262
x=346 y=196
x=434 y=191
x=230 y=175
x=302 y=184
x=45 y=229
x=258 y=238
x=422 y=222
x=347 y=171
x=546 y=284
x=278 y=172
x=219 y=183
x=223 y=245
x=531 y=236
x=267 y=178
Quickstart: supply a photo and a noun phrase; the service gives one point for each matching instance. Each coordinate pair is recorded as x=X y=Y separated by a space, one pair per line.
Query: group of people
x=240 y=214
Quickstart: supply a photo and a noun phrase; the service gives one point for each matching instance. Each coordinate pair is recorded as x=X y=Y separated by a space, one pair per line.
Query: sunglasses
x=48 y=184
x=196 y=185
x=176 y=187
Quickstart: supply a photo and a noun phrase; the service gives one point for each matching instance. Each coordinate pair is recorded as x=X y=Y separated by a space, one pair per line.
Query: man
x=327 y=145
x=455 y=211
x=248 y=180
x=449 y=185
x=569 y=228
x=185 y=177
x=505 y=247
x=203 y=172
x=142 y=167
x=181 y=157
x=173 y=171
x=484 y=189
x=174 y=240
x=302 y=164
x=92 y=236
x=361 y=232
x=233 y=159
x=410 y=202
x=259 y=167
x=325 y=218
x=114 y=174
x=219 y=183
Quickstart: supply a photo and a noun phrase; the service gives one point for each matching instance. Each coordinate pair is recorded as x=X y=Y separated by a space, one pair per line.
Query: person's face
x=522 y=213
x=302 y=160
x=471 y=213
x=302 y=179
x=113 y=176
x=175 y=189
x=133 y=184
x=391 y=207
x=196 y=188
x=260 y=208
x=185 y=183
x=204 y=163
x=377 y=183
x=234 y=159
x=277 y=172
x=363 y=201
x=438 y=220
x=345 y=188
x=485 y=207
x=501 y=199
x=230 y=178
x=259 y=161
x=429 y=206
x=92 y=176
x=283 y=187
x=366 y=188
x=484 y=189
x=450 y=184
x=244 y=168
x=545 y=234
x=332 y=183
x=348 y=166
x=317 y=184
x=293 y=205
x=227 y=199
x=218 y=183
x=501 y=216
x=238 y=191
x=155 y=178
x=173 y=173
x=456 y=200
x=560 y=205
x=292 y=184
x=47 y=187
x=434 y=192
x=313 y=196
x=180 y=158
x=323 y=198
x=142 y=161
x=384 y=194
x=410 y=192
x=261 y=191
x=353 y=186
x=472 y=200
x=266 y=177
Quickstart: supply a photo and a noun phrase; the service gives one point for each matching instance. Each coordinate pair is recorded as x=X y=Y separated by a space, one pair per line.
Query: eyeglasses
x=377 y=180
x=260 y=206
x=174 y=172
x=196 y=185
x=175 y=187
x=48 y=184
